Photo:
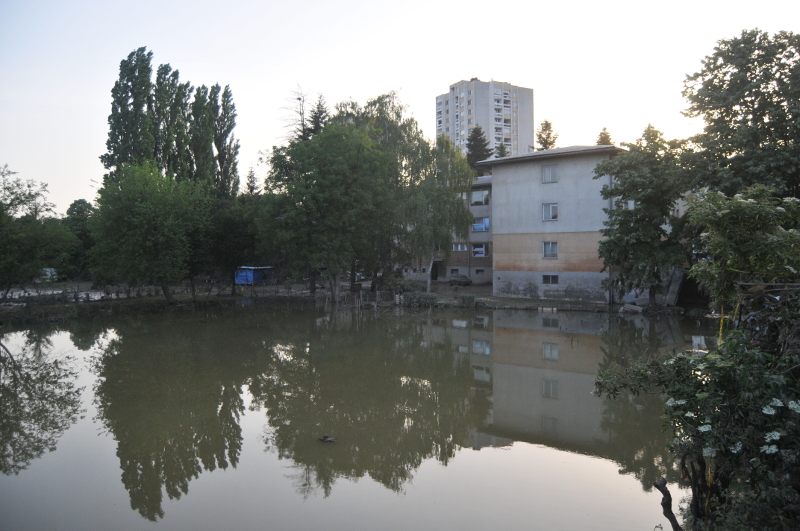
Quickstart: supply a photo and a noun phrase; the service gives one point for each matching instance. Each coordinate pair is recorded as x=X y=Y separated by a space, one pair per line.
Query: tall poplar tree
x=170 y=119
x=201 y=137
x=130 y=129
x=226 y=177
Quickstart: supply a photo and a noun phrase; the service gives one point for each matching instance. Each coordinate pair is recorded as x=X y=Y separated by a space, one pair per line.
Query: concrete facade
x=548 y=214
x=503 y=110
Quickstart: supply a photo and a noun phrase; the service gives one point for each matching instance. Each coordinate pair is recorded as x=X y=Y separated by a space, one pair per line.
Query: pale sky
x=615 y=64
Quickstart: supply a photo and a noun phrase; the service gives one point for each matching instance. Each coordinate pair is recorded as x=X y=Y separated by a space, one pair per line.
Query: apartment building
x=473 y=257
x=547 y=216
x=503 y=110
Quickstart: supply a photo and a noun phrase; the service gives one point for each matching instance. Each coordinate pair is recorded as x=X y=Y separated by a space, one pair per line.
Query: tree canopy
x=545 y=136
x=477 y=147
x=604 y=138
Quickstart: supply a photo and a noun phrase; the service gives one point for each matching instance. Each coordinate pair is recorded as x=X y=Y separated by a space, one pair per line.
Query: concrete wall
x=519 y=230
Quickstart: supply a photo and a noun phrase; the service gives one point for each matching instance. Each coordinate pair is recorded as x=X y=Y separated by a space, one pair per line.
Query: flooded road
x=442 y=420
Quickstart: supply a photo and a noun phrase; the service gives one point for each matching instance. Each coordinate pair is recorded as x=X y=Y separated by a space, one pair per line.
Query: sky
x=614 y=64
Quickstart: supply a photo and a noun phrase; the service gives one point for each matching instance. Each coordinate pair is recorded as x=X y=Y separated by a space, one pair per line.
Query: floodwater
x=442 y=420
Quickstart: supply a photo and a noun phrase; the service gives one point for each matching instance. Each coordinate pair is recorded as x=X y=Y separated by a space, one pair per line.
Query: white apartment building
x=503 y=110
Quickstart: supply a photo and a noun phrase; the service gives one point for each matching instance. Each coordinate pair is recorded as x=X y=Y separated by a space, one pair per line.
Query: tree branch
x=666 y=504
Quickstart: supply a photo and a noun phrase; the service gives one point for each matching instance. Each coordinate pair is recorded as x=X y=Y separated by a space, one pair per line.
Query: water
x=442 y=420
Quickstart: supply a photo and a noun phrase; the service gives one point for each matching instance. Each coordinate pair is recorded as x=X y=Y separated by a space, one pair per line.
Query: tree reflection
x=38 y=401
x=390 y=395
x=171 y=397
x=631 y=420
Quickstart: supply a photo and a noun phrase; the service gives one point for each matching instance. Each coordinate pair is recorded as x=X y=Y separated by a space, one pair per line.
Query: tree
x=251 y=184
x=642 y=242
x=201 y=137
x=30 y=239
x=604 y=138
x=501 y=150
x=334 y=197
x=170 y=120
x=747 y=94
x=477 y=147
x=130 y=129
x=545 y=136
x=77 y=222
x=437 y=212
x=226 y=176
x=319 y=117
x=145 y=226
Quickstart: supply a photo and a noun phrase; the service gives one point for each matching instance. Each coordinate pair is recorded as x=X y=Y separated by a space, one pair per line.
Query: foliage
x=29 y=239
x=501 y=150
x=436 y=212
x=747 y=94
x=642 y=238
x=144 y=226
x=604 y=138
x=477 y=147
x=545 y=136
x=333 y=196
x=744 y=240
x=77 y=222
x=420 y=299
x=39 y=402
x=735 y=411
x=226 y=174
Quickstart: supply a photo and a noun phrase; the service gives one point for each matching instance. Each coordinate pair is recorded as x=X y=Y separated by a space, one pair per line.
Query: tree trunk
x=334 y=287
x=167 y=294
x=430 y=272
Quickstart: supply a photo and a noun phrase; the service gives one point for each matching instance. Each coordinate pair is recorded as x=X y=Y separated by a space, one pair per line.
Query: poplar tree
x=201 y=137
x=130 y=129
x=170 y=118
x=226 y=178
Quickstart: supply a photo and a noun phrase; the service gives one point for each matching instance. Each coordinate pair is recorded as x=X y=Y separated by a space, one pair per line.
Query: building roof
x=551 y=153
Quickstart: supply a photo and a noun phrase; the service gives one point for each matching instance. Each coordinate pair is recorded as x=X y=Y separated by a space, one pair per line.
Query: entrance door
x=435 y=271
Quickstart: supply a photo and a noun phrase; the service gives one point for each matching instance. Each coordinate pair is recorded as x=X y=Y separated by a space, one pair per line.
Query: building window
x=469 y=102
x=549 y=174
x=454 y=271
x=480 y=224
x=550 y=322
x=459 y=246
x=469 y=111
x=550 y=279
x=481 y=347
x=479 y=197
x=549 y=249
x=550 y=212
x=424 y=270
x=470 y=122
x=478 y=250
x=550 y=388
x=550 y=351
x=479 y=271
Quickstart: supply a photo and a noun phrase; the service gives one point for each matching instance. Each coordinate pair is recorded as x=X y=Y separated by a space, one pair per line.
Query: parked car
x=460 y=280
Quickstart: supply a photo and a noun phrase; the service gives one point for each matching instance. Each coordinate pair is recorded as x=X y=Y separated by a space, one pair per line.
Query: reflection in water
x=171 y=397
x=38 y=400
x=389 y=394
x=393 y=390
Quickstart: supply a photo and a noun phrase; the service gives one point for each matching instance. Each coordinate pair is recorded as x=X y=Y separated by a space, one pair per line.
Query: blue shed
x=247 y=275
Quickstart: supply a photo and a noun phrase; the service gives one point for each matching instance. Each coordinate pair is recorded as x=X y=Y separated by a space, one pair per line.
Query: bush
x=420 y=299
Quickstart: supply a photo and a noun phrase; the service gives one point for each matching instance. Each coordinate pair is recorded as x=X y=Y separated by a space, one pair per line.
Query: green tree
x=545 y=136
x=642 y=241
x=251 y=184
x=319 y=117
x=604 y=138
x=501 y=150
x=201 y=137
x=333 y=197
x=131 y=137
x=226 y=176
x=747 y=94
x=437 y=213
x=30 y=238
x=77 y=222
x=170 y=119
x=477 y=147
x=145 y=225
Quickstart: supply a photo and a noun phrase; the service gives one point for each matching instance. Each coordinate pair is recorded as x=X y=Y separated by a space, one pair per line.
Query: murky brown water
x=442 y=420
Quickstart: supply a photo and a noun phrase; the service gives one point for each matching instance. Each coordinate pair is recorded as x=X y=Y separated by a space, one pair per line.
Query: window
x=481 y=347
x=480 y=225
x=550 y=322
x=479 y=271
x=550 y=388
x=469 y=111
x=478 y=250
x=550 y=351
x=550 y=212
x=424 y=270
x=549 y=249
x=454 y=271
x=469 y=92
x=459 y=246
x=469 y=102
x=549 y=174
x=479 y=197
x=550 y=279
x=470 y=122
